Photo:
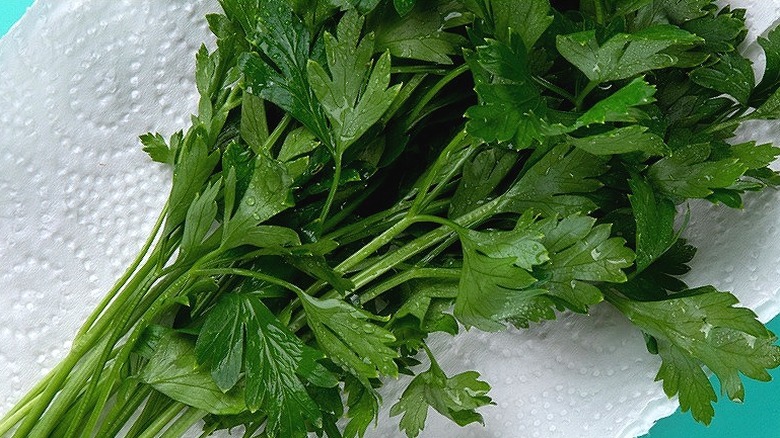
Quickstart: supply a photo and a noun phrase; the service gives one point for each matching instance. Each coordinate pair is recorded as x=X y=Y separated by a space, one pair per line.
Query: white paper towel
x=81 y=79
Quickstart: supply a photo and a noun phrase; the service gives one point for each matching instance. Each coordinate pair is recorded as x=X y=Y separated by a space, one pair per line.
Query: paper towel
x=81 y=79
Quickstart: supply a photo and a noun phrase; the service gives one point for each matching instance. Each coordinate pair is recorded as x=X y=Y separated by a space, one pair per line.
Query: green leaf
x=620 y=105
x=769 y=110
x=527 y=19
x=173 y=370
x=350 y=339
x=654 y=217
x=190 y=173
x=240 y=333
x=198 y=223
x=702 y=328
x=510 y=105
x=157 y=148
x=623 y=55
x=721 y=33
x=625 y=7
x=732 y=75
x=363 y=407
x=554 y=184
x=456 y=397
x=580 y=253
x=633 y=138
x=685 y=175
x=661 y=278
x=269 y=193
x=481 y=177
x=421 y=34
x=284 y=40
x=675 y=11
x=403 y=7
x=298 y=142
x=771 y=79
x=254 y=126
x=754 y=156
x=495 y=283
x=354 y=96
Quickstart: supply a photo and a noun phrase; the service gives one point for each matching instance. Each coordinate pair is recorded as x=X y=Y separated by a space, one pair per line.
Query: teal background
x=758 y=417
x=10 y=11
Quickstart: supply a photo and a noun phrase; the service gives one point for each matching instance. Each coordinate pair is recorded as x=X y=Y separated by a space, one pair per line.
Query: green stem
x=253 y=274
x=350 y=208
x=417 y=69
x=277 y=132
x=16 y=415
x=403 y=277
x=580 y=101
x=428 y=97
x=121 y=413
x=411 y=249
x=95 y=397
x=128 y=273
x=555 y=89
x=601 y=11
x=189 y=418
x=165 y=417
x=67 y=387
x=427 y=181
x=334 y=187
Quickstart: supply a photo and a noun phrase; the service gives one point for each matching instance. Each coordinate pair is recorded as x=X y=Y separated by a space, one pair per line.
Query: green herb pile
x=362 y=173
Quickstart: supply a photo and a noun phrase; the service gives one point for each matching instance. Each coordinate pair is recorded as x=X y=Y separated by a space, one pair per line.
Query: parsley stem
x=277 y=132
x=121 y=413
x=253 y=274
x=555 y=89
x=600 y=10
x=460 y=140
x=128 y=273
x=182 y=424
x=334 y=187
x=403 y=277
x=580 y=101
x=414 y=114
x=164 y=418
x=427 y=69
x=401 y=254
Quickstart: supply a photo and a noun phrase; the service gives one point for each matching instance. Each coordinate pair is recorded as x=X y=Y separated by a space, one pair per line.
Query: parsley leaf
x=654 y=222
x=495 y=283
x=623 y=55
x=556 y=183
x=421 y=33
x=580 y=254
x=280 y=76
x=355 y=95
x=510 y=104
x=350 y=339
x=699 y=328
x=732 y=75
x=173 y=370
x=771 y=78
x=268 y=193
x=688 y=174
x=621 y=141
x=242 y=334
x=527 y=19
x=456 y=397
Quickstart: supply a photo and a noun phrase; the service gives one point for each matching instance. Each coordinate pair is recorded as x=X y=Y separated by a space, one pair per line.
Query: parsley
x=363 y=173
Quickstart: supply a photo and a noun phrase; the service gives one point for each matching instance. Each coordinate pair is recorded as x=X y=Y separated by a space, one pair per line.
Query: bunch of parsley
x=362 y=173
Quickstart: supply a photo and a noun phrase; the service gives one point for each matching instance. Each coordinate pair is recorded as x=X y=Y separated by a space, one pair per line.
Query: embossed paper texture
x=81 y=79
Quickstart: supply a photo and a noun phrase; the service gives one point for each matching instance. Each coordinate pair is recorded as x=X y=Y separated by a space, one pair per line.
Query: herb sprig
x=363 y=173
